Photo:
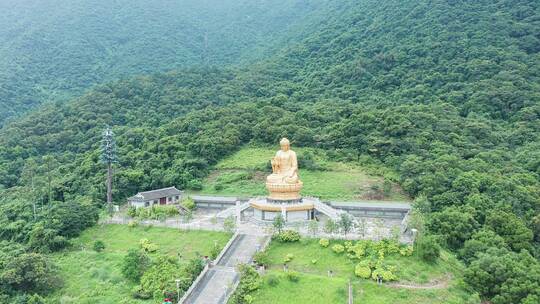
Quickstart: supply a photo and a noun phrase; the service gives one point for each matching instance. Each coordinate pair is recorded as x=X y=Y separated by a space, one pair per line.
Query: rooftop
x=155 y=194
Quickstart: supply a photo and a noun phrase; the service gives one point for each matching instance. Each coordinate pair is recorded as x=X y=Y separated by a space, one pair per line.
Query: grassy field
x=244 y=173
x=92 y=277
x=316 y=287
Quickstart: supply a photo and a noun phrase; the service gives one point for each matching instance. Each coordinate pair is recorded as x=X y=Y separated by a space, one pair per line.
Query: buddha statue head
x=285 y=144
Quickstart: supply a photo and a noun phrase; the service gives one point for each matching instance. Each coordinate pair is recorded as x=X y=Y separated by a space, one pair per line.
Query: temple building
x=163 y=196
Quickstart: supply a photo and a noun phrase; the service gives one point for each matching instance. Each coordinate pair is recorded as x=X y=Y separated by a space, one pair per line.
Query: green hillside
x=75 y=45
x=244 y=173
x=442 y=97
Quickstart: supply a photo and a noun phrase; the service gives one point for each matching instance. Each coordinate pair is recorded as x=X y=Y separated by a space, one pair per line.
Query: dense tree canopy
x=446 y=93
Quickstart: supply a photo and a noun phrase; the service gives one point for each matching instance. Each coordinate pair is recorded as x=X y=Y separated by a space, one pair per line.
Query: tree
x=330 y=226
x=313 y=227
x=32 y=273
x=109 y=157
x=134 y=264
x=229 y=224
x=502 y=276
x=480 y=242
x=278 y=223
x=98 y=246
x=454 y=224
x=345 y=223
x=428 y=248
x=511 y=229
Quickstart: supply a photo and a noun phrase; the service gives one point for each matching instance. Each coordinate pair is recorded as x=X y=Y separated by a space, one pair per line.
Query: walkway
x=218 y=283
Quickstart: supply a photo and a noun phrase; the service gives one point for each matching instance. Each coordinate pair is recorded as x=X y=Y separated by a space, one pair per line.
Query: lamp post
x=177 y=290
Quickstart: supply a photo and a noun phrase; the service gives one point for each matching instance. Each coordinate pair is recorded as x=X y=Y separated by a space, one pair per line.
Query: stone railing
x=206 y=268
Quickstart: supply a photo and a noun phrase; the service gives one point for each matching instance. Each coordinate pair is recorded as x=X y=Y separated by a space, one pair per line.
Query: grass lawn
x=91 y=277
x=244 y=173
x=315 y=286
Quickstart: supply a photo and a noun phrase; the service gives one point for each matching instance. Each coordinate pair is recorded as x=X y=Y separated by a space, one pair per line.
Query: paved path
x=220 y=280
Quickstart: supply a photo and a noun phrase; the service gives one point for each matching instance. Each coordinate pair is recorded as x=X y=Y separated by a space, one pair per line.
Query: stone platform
x=292 y=210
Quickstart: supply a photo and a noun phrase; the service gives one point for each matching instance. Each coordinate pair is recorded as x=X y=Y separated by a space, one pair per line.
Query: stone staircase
x=232 y=210
x=332 y=213
x=216 y=283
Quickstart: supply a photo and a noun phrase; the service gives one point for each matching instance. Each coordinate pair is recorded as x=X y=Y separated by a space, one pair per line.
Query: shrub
x=261 y=258
x=363 y=270
x=288 y=257
x=98 y=246
x=314 y=261
x=132 y=211
x=133 y=224
x=406 y=251
x=324 y=242
x=293 y=276
x=288 y=236
x=147 y=246
x=188 y=203
x=273 y=280
x=338 y=248
x=134 y=264
x=428 y=248
x=385 y=274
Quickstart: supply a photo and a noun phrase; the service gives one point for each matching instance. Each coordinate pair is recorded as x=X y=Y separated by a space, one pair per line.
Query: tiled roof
x=158 y=193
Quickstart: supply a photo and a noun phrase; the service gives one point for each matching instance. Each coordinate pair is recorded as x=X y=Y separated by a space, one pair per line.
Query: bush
x=288 y=236
x=189 y=203
x=338 y=248
x=132 y=211
x=293 y=276
x=273 y=280
x=428 y=248
x=406 y=251
x=99 y=246
x=261 y=258
x=133 y=224
x=363 y=270
x=134 y=264
x=147 y=246
x=289 y=257
x=385 y=274
x=324 y=242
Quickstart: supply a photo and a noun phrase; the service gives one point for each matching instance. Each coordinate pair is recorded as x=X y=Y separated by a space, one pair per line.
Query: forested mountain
x=446 y=93
x=53 y=50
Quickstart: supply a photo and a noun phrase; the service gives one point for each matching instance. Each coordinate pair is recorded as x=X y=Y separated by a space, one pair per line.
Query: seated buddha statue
x=284 y=183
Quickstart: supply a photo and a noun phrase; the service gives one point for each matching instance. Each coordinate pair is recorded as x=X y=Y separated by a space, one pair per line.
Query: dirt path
x=434 y=284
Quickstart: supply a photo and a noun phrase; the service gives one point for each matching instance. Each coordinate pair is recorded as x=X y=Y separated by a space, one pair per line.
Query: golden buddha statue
x=283 y=183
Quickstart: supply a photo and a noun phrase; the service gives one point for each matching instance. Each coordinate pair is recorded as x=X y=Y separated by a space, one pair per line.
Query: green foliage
x=148 y=246
x=338 y=248
x=134 y=264
x=324 y=242
x=229 y=224
x=511 y=229
x=159 y=278
x=363 y=269
x=250 y=281
x=261 y=258
x=502 y=276
x=31 y=273
x=98 y=246
x=288 y=236
x=155 y=212
x=289 y=257
x=454 y=224
x=345 y=223
x=188 y=203
x=428 y=248
x=293 y=276
x=272 y=280
x=278 y=223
